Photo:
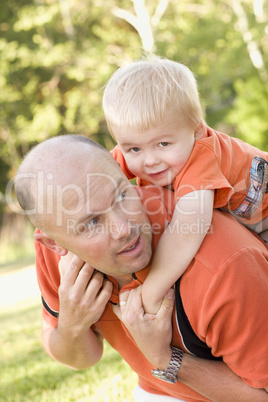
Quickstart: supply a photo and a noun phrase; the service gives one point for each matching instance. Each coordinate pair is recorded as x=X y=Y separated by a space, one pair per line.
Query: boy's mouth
x=158 y=175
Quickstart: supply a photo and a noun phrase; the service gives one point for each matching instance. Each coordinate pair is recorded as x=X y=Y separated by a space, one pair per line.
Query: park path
x=18 y=286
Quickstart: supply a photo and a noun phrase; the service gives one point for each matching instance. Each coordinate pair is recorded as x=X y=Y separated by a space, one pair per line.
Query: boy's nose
x=151 y=160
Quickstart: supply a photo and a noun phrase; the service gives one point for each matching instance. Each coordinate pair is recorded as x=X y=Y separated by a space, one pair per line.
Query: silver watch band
x=171 y=373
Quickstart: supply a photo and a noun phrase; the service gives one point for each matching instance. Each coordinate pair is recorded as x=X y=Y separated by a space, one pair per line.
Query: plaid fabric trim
x=257 y=188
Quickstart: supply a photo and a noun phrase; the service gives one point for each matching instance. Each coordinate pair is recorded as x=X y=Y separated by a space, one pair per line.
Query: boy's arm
x=83 y=295
x=178 y=245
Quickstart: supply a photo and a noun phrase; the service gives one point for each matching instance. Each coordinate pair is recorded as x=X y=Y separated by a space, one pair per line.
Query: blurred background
x=57 y=55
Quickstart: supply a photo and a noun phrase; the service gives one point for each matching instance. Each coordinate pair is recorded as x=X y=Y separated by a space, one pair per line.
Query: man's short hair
x=25 y=184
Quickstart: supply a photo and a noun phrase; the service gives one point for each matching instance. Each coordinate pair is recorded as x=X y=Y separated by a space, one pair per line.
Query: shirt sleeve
x=203 y=172
x=48 y=277
x=119 y=157
x=236 y=323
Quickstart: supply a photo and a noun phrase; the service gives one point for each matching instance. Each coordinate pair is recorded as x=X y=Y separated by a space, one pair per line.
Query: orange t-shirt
x=222 y=292
x=226 y=165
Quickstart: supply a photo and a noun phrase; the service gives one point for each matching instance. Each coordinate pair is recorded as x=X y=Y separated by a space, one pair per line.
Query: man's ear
x=49 y=243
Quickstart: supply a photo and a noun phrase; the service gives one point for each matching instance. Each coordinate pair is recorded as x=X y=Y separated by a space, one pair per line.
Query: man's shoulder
x=225 y=242
x=230 y=260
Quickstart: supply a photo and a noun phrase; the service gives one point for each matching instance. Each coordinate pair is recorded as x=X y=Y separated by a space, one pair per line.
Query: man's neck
x=123 y=280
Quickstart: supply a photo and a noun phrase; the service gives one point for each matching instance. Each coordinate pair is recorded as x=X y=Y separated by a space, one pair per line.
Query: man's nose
x=119 y=225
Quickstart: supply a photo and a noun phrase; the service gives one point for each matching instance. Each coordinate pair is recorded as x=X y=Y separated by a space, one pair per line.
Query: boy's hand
x=152 y=333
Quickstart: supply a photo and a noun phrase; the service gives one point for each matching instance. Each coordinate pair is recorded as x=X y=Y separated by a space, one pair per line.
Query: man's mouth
x=130 y=246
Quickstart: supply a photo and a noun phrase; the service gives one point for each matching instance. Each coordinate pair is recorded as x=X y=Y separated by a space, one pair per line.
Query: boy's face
x=157 y=154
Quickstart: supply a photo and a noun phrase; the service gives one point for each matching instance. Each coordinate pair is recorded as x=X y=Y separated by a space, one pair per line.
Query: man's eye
x=135 y=149
x=93 y=222
x=121 y=196
x=164 y=144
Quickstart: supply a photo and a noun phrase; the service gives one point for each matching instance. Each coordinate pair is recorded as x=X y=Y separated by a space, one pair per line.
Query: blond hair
x=140 y=94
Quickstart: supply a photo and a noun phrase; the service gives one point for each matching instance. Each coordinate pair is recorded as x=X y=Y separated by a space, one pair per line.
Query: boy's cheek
x=133 y=167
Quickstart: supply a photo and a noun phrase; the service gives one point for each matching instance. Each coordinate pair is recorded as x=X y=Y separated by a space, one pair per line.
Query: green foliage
x=55 y=57
x=21 y=246
x=252 y=100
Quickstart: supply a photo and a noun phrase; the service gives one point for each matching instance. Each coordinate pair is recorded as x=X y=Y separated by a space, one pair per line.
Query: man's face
x=102 y=220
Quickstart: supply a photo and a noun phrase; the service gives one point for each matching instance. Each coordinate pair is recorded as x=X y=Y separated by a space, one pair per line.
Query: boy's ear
x=199 y=131
x=42 y=238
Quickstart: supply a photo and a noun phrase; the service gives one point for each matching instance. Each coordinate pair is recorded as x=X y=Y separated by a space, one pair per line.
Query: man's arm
x=83 y=295
x=217 y=381
x=153 y=336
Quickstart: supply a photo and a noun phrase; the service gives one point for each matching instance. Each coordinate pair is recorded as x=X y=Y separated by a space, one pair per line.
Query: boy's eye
x=164 y=144
x=135 y=149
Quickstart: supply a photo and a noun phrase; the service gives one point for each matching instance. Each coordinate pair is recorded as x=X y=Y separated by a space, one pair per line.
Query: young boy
x=153 y=111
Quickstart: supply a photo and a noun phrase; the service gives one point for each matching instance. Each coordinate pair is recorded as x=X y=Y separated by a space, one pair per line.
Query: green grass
x=27 y=373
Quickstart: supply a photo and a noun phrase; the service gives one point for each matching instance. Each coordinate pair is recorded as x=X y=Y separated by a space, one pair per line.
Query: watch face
x=164 y=376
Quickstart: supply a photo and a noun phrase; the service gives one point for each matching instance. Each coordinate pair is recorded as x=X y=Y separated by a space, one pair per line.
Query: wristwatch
x=171 y=372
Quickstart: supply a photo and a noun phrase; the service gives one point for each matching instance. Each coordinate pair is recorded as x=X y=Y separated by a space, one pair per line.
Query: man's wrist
x=170 y=374
x=71 y=333
x=162 y=361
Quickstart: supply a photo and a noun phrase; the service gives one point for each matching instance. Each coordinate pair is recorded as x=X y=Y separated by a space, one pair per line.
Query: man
x=76 y=195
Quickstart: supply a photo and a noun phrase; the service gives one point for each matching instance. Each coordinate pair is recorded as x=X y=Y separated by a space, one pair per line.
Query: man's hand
x=152 y=333
x=83 y=294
